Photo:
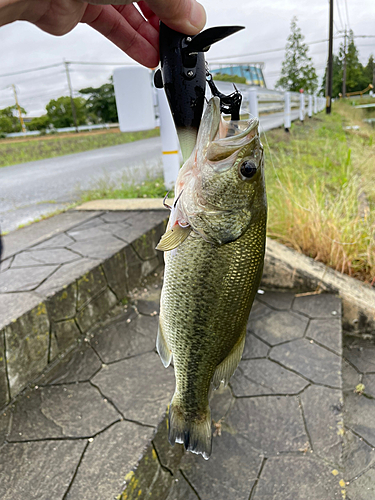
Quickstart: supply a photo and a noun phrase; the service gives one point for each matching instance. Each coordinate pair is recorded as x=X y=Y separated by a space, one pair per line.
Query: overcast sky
x=267 y=22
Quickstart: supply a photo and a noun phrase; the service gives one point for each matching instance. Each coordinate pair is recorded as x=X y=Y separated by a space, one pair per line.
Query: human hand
x=118 y=20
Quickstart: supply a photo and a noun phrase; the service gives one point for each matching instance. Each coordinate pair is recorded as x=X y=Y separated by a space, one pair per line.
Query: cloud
x=267 y=27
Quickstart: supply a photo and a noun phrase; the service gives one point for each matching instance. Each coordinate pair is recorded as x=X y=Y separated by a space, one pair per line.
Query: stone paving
x=92 y=424
x=277 y=428
x=359 y=417
x=61 y=277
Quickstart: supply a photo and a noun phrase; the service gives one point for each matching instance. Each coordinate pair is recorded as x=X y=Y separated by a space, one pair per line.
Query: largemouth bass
x=214 y=251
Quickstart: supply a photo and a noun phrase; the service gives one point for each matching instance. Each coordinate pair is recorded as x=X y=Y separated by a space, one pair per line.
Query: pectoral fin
x=225 y=370
x=173 y=238
x=163 y=349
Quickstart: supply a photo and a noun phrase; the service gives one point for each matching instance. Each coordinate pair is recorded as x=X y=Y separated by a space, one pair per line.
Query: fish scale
x=213 y=269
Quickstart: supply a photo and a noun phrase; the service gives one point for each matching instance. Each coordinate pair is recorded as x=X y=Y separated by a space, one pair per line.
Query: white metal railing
x=258 y=100
x=80 y=128
x=255 y=100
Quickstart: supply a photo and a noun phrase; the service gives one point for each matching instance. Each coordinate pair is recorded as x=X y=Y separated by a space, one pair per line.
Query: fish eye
x=248 y=169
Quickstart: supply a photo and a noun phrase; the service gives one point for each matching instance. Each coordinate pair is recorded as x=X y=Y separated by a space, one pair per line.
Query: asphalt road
x=30 y=190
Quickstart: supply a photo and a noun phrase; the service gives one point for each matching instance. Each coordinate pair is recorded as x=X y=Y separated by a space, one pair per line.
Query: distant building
x=252 y=72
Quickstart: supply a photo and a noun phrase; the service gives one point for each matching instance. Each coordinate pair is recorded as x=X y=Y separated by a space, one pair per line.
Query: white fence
x=255 y=100
x=81 y=128
x=259 y=101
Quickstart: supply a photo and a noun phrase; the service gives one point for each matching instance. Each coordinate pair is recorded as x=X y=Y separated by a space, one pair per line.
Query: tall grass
x=321 y=191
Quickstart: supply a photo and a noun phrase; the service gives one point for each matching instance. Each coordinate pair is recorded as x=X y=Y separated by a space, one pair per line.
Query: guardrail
x=257 y=101
x=80 y=128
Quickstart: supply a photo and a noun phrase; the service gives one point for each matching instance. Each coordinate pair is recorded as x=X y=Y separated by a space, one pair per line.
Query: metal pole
x=287 y=120
x=310 y=106
x=330 y=60
x=23 y=128
x=344 y=69
x=253 y=102
x=74 y=114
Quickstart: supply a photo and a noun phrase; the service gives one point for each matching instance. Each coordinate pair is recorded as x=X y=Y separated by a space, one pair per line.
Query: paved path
x=280 y=430
x=359 y=417
x=278 y=427
x=30 y=190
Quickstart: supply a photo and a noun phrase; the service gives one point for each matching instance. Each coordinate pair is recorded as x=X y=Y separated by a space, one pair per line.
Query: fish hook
x=178 y=197
x=164 y=201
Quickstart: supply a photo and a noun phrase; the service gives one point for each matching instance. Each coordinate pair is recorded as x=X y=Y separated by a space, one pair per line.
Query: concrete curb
x=286 y=268
x=124 y=204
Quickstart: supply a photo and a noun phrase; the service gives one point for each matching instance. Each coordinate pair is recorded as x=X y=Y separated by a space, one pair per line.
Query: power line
x=45 y=77
x=31 y=70
x=88 y=63
x=339 y=13
x=40 y=68
x=347 y=14
x=102 y=63
x=265 y=51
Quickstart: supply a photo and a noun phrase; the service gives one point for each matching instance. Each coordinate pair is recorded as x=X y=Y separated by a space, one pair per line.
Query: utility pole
x=344 y=69
x=19 y=109
x=330 y=60
x=74 y=114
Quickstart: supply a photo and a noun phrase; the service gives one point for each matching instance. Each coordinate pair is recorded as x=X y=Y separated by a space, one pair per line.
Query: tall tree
x=369 y=70
x=101 y=104
x=9 y=121
x=297 y=71
x=59 y=111
x=336 y=78
x=355 y=77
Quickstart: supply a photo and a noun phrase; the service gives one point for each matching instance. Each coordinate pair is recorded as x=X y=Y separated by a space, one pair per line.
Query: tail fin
x=195 y=433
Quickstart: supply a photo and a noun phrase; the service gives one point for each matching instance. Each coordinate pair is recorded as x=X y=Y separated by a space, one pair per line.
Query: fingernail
x=197 y=16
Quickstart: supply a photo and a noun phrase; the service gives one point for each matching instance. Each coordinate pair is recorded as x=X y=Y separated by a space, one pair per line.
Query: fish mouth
x=228 y=137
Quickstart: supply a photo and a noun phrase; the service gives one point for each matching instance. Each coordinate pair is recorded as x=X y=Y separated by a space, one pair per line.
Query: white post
x=169 y=140
x=253 y=102
x=287 y=119
x=315 y=104
x=302 y=106
x=309 y=109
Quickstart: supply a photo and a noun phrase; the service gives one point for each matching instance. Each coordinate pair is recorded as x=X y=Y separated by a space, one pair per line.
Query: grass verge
x=320 y=187
x=27 y=150
x=321 y=190
x=104 y=189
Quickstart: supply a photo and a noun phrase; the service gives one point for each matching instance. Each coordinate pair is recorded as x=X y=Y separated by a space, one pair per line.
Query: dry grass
x=321 y=191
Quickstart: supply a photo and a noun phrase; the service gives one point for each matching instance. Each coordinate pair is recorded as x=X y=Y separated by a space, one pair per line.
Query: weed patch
x=321 y=190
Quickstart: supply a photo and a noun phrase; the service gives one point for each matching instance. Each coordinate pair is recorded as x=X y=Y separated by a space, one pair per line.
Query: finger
x=151 y=17
x=186 y=16
x=111 y=23
x=132 y=16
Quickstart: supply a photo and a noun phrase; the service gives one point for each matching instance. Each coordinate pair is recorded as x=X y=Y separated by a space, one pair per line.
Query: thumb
x=185 y=16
